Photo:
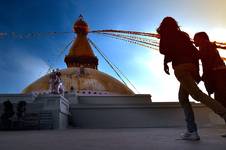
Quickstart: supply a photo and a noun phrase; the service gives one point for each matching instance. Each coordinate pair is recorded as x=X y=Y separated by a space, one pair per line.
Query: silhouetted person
x=214 y=69
x=72 y=89
x=21 y=109
x=6 y=117
x=178 y=49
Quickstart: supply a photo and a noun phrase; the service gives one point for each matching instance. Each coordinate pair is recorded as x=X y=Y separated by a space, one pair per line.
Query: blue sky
x=25 y=60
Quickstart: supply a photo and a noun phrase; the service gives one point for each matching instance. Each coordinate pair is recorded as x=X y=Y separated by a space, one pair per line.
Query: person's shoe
x=190 y=136
x=223 y=135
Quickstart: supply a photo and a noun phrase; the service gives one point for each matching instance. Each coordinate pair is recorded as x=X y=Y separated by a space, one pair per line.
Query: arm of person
x=164 y=48
x=166 y=61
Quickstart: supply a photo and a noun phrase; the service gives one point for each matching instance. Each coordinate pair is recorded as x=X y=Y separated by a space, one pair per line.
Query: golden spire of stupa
x=81 y=53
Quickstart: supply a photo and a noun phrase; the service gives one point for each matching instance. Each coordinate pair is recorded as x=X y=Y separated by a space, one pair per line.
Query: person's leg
x=191 y=133
x=184 y=74
x=220 y=88
x=188 y=111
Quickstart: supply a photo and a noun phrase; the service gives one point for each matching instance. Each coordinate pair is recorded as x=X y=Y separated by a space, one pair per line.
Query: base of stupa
x=58 y=112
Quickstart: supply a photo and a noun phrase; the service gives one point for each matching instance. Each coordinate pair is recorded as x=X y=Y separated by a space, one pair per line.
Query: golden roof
x=86 y=82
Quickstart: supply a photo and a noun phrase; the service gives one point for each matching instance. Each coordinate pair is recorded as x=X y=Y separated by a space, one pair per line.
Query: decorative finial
x=80 y=17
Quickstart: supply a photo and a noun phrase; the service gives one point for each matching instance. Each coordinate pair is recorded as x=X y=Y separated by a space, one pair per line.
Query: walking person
x=177 y=48
x=214 y=69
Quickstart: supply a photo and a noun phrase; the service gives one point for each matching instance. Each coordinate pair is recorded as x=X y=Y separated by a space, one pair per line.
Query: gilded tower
x=81 y=53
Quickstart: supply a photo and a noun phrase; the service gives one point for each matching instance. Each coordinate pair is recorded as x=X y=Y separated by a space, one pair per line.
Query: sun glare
x=218 y=34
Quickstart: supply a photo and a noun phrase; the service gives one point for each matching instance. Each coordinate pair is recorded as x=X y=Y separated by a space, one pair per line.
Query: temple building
x=82 y=75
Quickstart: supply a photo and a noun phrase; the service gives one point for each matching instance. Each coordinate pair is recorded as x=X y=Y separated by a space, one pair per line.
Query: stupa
x=82 y=75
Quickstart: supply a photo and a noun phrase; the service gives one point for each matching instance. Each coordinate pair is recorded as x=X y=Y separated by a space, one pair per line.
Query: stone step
x=45 y=120
x=31 y=121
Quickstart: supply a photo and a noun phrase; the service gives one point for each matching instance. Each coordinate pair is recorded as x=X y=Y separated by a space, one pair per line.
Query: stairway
x=45 y=120
x=31 y=121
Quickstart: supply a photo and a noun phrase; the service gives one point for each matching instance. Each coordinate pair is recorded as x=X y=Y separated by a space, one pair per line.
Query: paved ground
x=111 y=139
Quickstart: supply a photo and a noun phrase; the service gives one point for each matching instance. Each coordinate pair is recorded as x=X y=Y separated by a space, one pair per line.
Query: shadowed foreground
x=111 y=139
